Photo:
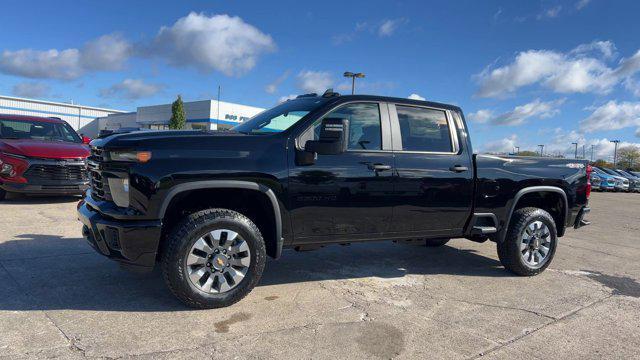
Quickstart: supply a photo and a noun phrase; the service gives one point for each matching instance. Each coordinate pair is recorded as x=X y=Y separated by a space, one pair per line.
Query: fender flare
x=529 y=190
x=231 y=184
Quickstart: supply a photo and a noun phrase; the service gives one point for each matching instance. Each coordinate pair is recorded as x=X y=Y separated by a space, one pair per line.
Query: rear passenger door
x=434 y=186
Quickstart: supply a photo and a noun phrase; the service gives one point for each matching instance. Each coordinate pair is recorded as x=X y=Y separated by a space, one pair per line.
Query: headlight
x=119 y=191
x=131 y=156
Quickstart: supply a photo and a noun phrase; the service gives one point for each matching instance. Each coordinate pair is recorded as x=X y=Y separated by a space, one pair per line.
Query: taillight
x=589 y=170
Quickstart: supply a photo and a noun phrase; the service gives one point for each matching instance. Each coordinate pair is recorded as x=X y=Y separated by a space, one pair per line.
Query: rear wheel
x=213 y=258
x=530 y=243
x=436 y=242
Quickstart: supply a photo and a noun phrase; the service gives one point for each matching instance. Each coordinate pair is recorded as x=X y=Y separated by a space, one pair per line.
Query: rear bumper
x=131 y=242
x=62 y=188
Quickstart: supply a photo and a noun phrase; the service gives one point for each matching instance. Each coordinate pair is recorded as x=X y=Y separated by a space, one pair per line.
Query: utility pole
x=592 y=146
x=615 y=152
x=541 y=150
x=576 y=153
x=353 y=77
x=584 y=155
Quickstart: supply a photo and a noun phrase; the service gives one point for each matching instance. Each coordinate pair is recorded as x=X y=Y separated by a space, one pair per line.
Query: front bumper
x=133 y=242
x=62 y=188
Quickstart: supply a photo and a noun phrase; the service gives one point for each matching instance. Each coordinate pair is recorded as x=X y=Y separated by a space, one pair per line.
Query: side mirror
x=86 y=140
x=332 y=139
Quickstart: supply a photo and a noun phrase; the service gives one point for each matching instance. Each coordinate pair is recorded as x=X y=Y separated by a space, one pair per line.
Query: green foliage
x=602 y=163
x=178 y=118
x=629 y=157
x=528 y=153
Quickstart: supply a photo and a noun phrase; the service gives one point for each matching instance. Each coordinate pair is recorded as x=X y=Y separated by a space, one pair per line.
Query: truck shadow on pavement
x=45 y=272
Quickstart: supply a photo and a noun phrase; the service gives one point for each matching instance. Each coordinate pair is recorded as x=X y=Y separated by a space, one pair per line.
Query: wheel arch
x=533 y=195
x=177 y=191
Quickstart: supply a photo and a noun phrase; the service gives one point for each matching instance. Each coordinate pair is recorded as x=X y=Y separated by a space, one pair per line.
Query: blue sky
x=526 y=73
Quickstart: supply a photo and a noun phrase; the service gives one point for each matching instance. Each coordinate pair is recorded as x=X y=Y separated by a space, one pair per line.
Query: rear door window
x=424 y=129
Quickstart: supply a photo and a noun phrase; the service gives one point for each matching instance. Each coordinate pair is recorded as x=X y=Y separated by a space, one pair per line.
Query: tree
x=178 y=118
x=602 y=163
x=528 y=153
x=629 y=157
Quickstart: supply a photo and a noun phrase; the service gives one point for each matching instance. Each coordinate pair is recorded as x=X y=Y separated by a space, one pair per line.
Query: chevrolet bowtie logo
x=220 y=262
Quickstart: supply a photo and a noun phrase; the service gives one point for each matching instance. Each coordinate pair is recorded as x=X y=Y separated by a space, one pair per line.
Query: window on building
x=424 y=129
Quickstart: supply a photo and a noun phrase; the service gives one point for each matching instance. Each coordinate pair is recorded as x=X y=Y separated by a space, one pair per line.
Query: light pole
x=615 y=152
x=353 y=77
x=576 y=153
x=592 y=146
x=541 y=149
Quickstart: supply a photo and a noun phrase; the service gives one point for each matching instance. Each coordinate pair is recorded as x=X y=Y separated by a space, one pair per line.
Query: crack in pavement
x=520 y=337
x=504 y=307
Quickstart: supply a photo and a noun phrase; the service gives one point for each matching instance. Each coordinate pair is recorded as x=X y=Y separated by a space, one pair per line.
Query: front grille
x=99 y=185
x=57 y=172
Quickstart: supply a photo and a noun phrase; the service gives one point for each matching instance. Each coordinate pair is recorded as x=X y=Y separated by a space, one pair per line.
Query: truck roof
x=399 y=100
x=30 y=118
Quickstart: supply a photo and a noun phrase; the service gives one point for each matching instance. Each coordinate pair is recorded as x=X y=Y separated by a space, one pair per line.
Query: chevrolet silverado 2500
x=210 y=206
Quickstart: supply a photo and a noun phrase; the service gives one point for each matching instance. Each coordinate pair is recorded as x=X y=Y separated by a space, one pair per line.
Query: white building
x=203 y=114
x=81 y=118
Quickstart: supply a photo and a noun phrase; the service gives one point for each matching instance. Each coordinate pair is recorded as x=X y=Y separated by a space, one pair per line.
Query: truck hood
x=44 y=149
x=182 y=138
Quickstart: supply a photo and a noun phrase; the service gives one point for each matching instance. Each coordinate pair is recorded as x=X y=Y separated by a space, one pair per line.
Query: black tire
x=436 y=242
x=182 y=238
x=3 y=194
x=509 y=250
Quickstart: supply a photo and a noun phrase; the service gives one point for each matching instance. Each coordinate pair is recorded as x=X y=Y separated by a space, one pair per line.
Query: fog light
x=119 y=191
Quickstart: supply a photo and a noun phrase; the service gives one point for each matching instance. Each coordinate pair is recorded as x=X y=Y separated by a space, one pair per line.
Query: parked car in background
x=607 y=182
x=621 y=183
x=41 y=156
x=634 y=181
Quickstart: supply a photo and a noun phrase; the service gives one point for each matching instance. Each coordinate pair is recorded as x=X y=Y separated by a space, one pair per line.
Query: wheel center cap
x=219 y=262
x=536 y=243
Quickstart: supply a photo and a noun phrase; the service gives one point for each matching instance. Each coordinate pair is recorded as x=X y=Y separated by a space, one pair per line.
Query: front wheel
x=530 y=243
x=213 y=258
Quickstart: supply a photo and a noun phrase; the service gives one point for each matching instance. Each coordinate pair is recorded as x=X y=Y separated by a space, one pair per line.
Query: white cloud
x=212 y=43
x=550 y=13
x=613 y=115
x=389 y=26
x=315 y=81
x=520 y=114
x=108 y=52
x=31 y=90
x=505 y=145
x=288 y=97
x=577 y=71
x=415 y=96
x=481 y=116
x=582 y=3
x=273 y=87
x=131 y=89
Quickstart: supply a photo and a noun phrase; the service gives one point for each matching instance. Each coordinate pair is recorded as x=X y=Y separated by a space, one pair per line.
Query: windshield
x=38 y=130
x=281 y=117
x=610 y=172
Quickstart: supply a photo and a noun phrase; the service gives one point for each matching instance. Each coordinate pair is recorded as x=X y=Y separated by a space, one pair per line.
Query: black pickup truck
x=209 y=206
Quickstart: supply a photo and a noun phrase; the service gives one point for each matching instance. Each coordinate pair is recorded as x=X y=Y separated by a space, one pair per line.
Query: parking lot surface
x=380 y=300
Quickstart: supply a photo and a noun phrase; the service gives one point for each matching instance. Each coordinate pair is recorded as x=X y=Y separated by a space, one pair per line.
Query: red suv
x=41 y=156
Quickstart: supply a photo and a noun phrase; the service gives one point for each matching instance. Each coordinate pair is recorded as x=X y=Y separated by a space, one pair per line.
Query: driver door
x=348 y=195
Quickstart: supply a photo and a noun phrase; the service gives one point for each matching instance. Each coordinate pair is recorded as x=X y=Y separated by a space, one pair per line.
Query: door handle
x=458 y=168
x=379 y=167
